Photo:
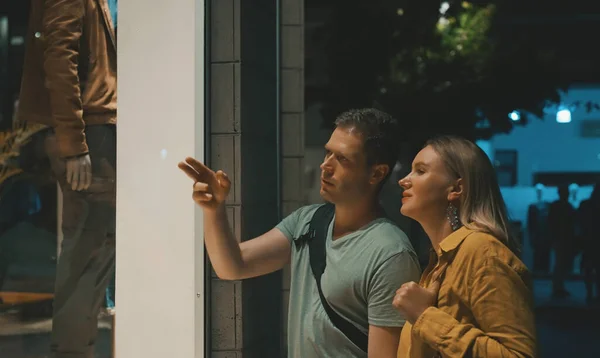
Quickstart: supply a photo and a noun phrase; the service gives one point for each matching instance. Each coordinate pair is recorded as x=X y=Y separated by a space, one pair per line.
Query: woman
x=474 y=298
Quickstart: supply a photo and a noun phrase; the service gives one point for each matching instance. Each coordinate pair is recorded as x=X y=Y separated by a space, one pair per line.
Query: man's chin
x=325 y=194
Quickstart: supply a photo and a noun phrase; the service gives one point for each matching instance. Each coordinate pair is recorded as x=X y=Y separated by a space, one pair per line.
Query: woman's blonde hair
x=481 y=206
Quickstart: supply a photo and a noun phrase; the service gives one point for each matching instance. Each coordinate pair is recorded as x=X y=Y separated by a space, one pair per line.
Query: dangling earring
x=452 y=216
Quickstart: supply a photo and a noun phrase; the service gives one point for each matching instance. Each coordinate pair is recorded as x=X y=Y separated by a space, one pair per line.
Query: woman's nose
x=404 y=182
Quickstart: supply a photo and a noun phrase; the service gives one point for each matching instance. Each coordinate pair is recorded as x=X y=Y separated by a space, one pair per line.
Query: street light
x=515 y=116
x=563 y=115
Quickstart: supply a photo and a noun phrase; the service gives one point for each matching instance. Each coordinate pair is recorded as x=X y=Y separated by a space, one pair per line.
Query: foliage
x=459 y=68
x=11 y=143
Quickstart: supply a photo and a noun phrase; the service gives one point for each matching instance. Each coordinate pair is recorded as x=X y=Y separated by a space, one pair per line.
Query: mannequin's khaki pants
x=87 y=259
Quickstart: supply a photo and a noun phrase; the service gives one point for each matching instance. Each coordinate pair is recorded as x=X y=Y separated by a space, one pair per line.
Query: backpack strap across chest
x=316 y=238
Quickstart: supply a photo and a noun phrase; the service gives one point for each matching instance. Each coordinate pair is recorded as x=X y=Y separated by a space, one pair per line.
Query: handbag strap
x=319 y=226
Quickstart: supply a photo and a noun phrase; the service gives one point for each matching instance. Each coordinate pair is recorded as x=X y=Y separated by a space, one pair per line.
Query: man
x=539 y=237
x=589 y=214
x=562 y=219
x=367 y=256
x=69 y=84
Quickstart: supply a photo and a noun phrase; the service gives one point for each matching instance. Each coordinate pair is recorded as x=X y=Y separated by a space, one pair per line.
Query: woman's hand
x=412 y=300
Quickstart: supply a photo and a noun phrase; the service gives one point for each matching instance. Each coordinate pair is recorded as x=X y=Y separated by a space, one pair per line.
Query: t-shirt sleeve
x=395 y=271
x=289 y=224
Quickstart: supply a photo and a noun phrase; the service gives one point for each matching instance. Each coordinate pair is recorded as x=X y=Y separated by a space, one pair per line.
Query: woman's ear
x=456 y=190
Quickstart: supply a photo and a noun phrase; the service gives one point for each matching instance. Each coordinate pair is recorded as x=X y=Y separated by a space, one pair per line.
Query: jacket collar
x=453 y=241
x=108 y=21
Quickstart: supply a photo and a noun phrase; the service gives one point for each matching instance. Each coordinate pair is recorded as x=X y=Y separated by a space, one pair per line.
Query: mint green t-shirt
x=364 y=270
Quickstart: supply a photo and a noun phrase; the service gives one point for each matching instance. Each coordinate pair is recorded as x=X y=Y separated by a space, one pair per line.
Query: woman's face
x=428 y=187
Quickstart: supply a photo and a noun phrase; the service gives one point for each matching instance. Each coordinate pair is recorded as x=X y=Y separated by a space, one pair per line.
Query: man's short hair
x=380 y=133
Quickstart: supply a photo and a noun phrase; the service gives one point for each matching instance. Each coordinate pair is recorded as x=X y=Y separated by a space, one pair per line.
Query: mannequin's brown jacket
x=70 y=70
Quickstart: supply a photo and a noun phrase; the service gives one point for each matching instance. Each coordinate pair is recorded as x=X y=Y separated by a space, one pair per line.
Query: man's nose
x=326 y=165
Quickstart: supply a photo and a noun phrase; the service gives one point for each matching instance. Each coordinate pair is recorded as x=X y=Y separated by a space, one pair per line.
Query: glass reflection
x=57 y=177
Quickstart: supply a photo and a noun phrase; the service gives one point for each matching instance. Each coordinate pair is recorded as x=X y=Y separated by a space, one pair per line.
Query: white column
x=160 y=279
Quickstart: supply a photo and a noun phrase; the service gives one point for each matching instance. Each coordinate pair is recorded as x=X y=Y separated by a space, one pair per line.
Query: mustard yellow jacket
x=485 y=303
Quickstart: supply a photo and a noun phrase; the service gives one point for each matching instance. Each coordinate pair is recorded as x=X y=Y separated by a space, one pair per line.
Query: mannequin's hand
x=79 y=172
x=210 y=188
x=412 y=300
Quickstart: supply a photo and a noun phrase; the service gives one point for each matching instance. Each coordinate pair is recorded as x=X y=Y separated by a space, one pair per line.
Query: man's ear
x=379 y=172
x=456 y=190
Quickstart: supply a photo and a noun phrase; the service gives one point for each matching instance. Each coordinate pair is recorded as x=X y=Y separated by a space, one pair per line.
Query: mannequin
x=77 y=101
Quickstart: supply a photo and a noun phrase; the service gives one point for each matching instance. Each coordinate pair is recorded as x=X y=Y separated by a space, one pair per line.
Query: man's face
x=345 y=176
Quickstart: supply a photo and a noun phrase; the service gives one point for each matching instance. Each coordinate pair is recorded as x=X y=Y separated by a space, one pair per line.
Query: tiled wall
x=226 y=323
x=246 y=315
x=292 y=108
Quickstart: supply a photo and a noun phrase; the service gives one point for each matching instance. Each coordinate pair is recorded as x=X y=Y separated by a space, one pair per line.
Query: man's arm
x=233 y=261
x=383 y=341
x=385 y=323
x=62 y=28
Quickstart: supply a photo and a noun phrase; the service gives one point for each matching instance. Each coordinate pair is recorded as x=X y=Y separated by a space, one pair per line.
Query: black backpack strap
x=319 y=226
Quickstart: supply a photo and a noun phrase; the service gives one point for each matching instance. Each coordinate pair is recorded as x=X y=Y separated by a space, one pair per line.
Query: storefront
x=220 y=80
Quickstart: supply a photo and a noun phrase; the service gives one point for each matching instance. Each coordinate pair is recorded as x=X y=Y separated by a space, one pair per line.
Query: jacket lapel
x=108 y=21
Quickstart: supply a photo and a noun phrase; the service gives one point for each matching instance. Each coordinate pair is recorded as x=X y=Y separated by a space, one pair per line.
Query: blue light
x=514 y=115
x=563 y=116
